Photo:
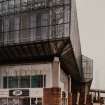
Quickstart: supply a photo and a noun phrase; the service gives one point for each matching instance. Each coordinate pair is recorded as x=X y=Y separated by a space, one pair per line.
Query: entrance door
x=13 y=101
x=24 y=101
x=18 y=101
x=3 y=101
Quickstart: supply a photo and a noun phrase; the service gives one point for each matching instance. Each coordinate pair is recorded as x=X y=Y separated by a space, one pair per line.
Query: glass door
x=13 y=101
x=3 y=101
x=24 y=101
x=36 y=101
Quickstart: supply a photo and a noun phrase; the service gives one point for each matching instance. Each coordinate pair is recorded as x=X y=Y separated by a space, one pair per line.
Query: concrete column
x=78 y=97
x=86 y=93
x=99 y=96
x=52 y=96
x=55 y=72
x=69 y=84
x=69 y=91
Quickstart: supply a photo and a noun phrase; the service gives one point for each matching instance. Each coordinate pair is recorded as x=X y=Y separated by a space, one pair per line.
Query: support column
x=52 y=96
x=99 y=96
x=55 y=72
x=78 y=97
x=69 y=84
x=86 y=93
x=69 y=91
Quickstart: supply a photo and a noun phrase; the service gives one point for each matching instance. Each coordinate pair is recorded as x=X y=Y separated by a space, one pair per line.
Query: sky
x=91 y=19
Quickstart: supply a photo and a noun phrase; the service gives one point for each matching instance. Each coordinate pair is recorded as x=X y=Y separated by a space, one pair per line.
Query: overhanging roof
x=42 y=51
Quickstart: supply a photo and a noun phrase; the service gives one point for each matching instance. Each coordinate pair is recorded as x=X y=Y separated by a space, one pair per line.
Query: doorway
x=24 y=101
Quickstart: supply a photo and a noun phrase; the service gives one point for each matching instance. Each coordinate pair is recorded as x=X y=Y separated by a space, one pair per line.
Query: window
x=32 y=26
x=24 y=4
x=67 y=14
x=6 y=28
x=12 y=101
x=12 y=82
x=64 y=99
x=33 y=101
x=36 y=101
x=0 y=8
x=17 y=5
x=1 y=31
x=44 y=26
x=24 y=82
x=16 y=28
x=57 y=2
x=42 y=23
x=11 y=5
x=37 y=81
x=24 y=34
x=11 y=29
x=40 y=3
x=66 y=21
x=58 y=22
x=3 y=101
x=5 y=82
x=59 y=15
x=4 y=7
x=38 y=27
x=39 y=101
x=59 y=30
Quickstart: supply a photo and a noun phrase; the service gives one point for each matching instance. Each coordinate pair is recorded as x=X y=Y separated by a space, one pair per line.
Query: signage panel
x=19 y=92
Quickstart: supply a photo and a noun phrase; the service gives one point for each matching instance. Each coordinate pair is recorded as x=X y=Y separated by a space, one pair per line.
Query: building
x=40 y=53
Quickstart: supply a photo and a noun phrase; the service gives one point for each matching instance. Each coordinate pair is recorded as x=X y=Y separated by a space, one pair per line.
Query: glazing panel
x=4 y=82
x=12 y=82
x=44 y=26
x=32 y=26
x=24 y=82
x=39 y=101
x=13 y=101
x=23 y=4
x=33 y=101
x=24 y=34
x=37 y=81
x=11 y=5
x=17 y=5
x=4 y=7
x=3 y=101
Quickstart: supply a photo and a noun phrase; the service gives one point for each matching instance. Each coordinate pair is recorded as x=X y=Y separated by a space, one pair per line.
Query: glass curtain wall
x=21 y=101
x=32 y=20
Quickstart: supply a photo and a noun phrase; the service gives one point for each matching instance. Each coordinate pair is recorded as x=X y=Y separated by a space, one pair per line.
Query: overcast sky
x=91 y=18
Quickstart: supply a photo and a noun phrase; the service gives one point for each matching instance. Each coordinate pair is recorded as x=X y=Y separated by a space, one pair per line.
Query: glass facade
x=32 y=20
x=21 y=101
x=36 y=81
